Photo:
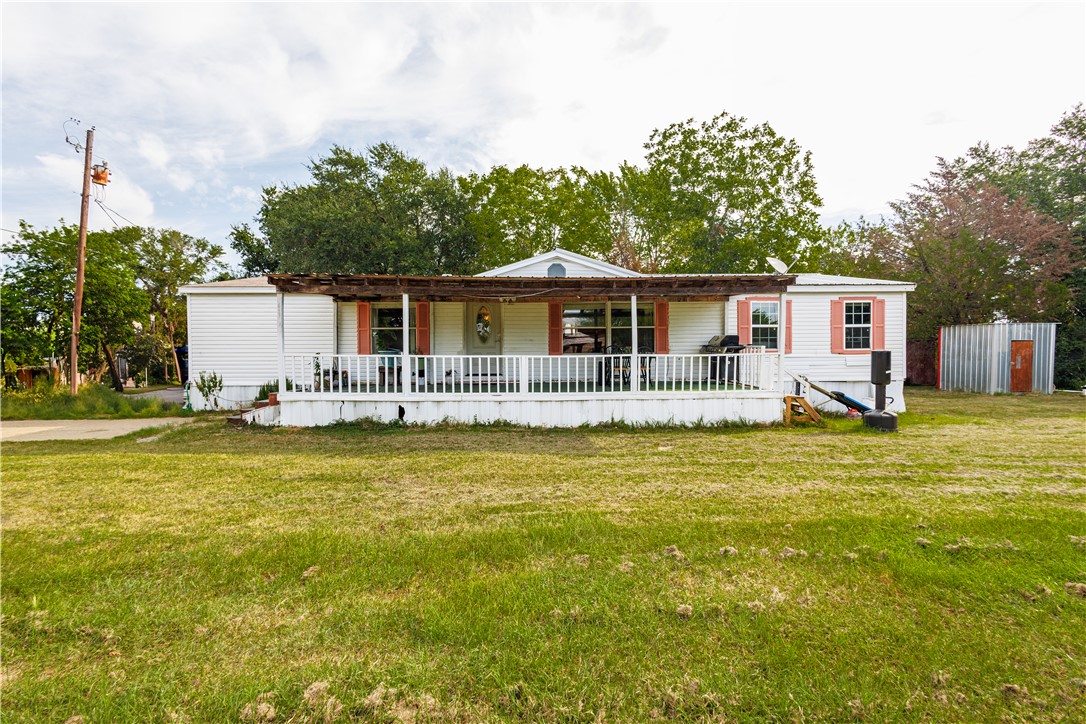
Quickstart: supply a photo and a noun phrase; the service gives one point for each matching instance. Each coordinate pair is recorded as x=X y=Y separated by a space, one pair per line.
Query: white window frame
x=775 y=326
x=869 y=326
x=374 y=329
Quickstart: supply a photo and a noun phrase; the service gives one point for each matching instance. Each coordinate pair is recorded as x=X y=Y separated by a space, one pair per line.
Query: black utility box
x=879 y=418
x=880 y=367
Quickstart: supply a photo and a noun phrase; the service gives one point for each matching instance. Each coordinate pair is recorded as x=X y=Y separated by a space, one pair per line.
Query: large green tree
x=166 y=261
x=37 y=294
x=376 y=212
x=257 y=256
x=520 y=212
x=712 y=197
x=737 y=193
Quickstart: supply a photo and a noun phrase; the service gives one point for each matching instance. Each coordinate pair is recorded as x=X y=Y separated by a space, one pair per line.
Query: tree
x=378 y=212
x=737 y=193
x=516 y=213
x=976 y=254
x=1049 y=175
x=642 y=232
x=257 y=256
x=168 y=260
x=525 y=211
x=38 y=288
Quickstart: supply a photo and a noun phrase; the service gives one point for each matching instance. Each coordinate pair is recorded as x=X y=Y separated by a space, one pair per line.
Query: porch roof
x=363 y=287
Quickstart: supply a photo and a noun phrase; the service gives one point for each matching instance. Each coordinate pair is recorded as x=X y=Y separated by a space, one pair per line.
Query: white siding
x=525 y=328
x=811 y=356
x=573 y=269
x=692 y=324
x=347 y=330
x=235 y=335
x=447 y=330
x=672 y=409
x=310 y=323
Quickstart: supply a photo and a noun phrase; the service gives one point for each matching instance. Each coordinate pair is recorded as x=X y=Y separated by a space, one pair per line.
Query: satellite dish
x=779 y=265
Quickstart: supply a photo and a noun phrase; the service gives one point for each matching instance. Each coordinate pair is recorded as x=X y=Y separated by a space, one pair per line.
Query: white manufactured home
x=556 y=340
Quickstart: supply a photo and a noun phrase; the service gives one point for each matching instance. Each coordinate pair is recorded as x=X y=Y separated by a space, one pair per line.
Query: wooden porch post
x=635 y=366
x=279 y=328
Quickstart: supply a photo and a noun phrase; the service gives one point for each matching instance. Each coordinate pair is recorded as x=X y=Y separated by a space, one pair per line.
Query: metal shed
x=1012 y=357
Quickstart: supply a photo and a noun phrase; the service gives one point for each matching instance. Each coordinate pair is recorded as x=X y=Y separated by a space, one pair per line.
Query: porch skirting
x=754 y=406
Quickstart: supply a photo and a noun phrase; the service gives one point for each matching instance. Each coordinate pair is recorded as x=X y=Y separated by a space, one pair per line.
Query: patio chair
x=618 y=363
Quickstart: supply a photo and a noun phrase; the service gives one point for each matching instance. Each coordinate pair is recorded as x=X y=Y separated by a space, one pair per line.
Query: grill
x=723 y=344
x=723 y=369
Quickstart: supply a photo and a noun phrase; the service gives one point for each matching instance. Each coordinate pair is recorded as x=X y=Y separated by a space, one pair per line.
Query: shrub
x=269 y=387
x=45 y=402
x=210 y=385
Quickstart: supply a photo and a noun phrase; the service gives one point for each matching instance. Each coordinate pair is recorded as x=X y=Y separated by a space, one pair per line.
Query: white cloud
x=241 y=193
x=154 y=150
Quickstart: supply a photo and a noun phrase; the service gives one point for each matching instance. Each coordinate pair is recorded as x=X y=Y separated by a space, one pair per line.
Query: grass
x=478 y=574
x=45 y=402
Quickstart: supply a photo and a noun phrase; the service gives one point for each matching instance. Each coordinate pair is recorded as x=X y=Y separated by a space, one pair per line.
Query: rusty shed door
x=1021 y=365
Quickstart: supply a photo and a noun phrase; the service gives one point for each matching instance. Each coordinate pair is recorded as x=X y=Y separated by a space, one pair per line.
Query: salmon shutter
x=788 y=328
x=554 y=328
x=363 y=312
x=662 y=322
x=422 y=327
x=743 y=314
x=837 y=326
x=878 y=324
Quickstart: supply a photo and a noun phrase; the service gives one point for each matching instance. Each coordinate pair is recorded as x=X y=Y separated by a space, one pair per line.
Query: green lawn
x=480 y=574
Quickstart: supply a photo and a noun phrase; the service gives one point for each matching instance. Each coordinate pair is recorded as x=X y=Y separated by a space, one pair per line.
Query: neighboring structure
x=558 y=340
x=1001 y=357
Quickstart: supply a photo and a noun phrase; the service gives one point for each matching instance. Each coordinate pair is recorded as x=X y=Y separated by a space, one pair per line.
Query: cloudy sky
x=199 y=106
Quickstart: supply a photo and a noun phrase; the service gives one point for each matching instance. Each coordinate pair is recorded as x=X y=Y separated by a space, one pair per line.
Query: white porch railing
x=378 y=374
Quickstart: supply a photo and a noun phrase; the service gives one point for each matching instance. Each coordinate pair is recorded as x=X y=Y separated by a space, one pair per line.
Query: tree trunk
x=118 y=383
x=173 y=350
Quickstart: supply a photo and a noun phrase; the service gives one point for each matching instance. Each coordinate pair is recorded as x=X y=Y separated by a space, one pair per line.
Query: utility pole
x=80 y=263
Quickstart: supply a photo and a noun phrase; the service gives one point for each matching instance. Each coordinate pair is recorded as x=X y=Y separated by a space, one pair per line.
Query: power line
x=118 y=213
x=106 y=212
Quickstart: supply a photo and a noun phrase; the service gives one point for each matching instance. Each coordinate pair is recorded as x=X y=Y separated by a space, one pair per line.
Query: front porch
x=593 y=350
x=533 y=389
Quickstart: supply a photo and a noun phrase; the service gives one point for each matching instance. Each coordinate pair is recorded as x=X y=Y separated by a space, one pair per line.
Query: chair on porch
x=618 y=363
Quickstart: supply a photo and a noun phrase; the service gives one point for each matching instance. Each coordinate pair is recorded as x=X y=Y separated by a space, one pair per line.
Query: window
x=763 y=324
x=857 y=325
x=584 y=328
x=387 y=328
x=622 y=334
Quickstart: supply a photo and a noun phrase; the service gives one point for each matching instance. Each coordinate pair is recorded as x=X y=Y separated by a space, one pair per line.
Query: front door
x=1021 y=365
x=483 y=334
